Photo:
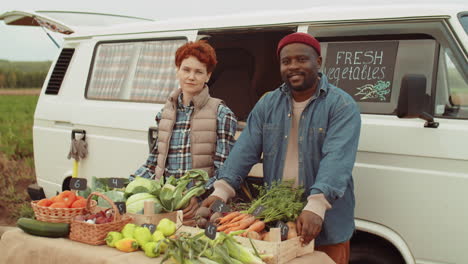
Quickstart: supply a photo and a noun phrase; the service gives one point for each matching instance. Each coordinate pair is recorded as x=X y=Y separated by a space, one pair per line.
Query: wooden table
x=19 y=247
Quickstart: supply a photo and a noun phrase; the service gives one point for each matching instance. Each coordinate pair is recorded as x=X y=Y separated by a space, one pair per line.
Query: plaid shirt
x=179 y=158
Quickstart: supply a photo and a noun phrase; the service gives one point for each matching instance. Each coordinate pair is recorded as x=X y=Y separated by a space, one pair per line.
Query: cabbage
x=143 y=185
x=115 y=196
x=136 y=203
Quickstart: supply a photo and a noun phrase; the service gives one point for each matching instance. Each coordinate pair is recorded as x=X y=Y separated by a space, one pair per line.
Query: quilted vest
x=203 y=126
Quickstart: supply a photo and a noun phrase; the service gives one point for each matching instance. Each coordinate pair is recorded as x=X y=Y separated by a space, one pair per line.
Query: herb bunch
x=281 y=202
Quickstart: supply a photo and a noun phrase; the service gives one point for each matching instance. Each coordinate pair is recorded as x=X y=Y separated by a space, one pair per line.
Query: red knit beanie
x=298 y=37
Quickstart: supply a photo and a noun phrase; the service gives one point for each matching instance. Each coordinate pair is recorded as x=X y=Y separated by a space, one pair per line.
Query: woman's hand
x=191 y=209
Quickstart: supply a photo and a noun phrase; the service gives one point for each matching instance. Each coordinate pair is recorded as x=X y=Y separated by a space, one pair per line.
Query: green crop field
x=16 y=155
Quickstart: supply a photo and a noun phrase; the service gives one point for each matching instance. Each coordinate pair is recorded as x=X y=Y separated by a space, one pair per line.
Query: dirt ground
x=5 y=219
x=7 y=211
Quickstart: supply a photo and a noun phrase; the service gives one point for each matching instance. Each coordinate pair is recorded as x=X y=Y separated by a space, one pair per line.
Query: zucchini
x=45 y=229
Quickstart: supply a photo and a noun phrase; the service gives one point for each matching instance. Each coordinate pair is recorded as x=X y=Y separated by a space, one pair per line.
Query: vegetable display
x=173 y=195
x=278 y=204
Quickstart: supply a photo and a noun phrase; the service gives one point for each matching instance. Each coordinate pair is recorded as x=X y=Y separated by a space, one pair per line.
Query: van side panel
x=413 y=180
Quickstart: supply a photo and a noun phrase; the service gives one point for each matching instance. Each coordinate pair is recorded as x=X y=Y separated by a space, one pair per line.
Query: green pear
x=167 y=227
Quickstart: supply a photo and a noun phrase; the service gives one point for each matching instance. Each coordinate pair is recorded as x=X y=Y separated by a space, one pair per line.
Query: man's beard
x=306 y=84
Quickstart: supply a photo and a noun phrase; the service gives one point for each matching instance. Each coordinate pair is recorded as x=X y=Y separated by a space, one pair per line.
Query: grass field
x=16 y=155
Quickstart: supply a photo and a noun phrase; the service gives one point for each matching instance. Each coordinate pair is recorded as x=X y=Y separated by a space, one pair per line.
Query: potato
x=203 y=212
x=201 y=222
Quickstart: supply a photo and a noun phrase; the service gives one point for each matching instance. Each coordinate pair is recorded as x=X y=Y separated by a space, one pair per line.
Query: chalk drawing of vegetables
x=378 y=90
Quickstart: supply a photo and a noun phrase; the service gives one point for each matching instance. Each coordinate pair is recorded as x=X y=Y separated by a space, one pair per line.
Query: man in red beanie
x=308 y=132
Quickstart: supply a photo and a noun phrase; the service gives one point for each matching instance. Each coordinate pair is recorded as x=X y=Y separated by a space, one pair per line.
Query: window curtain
x=110 y=69
x=155 y=75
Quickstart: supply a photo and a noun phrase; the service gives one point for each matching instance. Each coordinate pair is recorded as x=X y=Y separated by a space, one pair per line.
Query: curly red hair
x=201 y=50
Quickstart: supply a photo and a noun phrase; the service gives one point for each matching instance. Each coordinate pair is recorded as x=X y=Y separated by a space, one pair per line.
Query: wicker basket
x=94 y=234
x=56 y=215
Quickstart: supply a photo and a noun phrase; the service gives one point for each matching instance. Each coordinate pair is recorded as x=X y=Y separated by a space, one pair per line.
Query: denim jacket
x=328 y=138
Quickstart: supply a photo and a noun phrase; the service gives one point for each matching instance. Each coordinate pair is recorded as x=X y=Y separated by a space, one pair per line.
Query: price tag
x=151 y=227
x=284 y=230
x=78 y=184
x=122 y=207
x=116 y=182
x=220 y=206
x=210 y=230
x=258 y=210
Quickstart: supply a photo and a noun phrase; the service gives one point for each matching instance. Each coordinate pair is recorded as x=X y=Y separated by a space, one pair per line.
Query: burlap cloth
x=19 y=247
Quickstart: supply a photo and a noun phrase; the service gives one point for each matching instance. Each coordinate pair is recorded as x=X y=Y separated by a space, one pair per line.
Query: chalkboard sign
x=362 y=69
x=220 y=206
x=258 y=210
x=210 y=230
x=284 y=230
x=122 y=207
x=78 y=184
x=116 y=182
x=151 y=227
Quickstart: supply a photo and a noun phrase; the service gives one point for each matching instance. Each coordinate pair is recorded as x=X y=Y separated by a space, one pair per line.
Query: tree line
x=24 y=74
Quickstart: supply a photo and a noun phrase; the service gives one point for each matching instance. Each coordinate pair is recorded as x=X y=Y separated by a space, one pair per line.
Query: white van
x=406 y=66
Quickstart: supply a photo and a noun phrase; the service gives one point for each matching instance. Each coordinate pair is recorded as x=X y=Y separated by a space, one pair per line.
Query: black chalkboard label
x=220 y=206
x=151 y=227
x=258 y=210
x=364 y=69
x=116 y=182
x=78 y=184
x=122 y=207
x=284 y=229
x=210 y=230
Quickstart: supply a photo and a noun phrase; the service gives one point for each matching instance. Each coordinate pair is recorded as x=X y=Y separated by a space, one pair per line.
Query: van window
x=452 y=88
x=371 y=68
x=464 y=22
x=139 y=71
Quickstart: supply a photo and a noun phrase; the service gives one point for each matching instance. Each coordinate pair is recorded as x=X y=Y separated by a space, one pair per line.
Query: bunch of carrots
x=254 y=227
x=235 y=221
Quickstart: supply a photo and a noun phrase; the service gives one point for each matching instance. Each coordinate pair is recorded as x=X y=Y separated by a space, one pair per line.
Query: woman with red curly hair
x=195 y=130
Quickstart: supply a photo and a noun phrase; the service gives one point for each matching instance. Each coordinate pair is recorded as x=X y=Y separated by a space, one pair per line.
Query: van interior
x=247 y=66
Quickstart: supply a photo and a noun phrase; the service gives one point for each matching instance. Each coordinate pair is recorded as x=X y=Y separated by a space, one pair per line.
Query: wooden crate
x=282 y=251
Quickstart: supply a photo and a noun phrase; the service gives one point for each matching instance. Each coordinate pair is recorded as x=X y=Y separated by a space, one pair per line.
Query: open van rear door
x=66 y=22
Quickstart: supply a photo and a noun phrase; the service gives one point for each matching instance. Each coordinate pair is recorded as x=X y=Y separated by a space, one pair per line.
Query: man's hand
x=191 y=209
x=208 y=202
x=308 y=226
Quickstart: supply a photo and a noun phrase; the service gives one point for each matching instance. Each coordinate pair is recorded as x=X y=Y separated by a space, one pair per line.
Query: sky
x=32 y=44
